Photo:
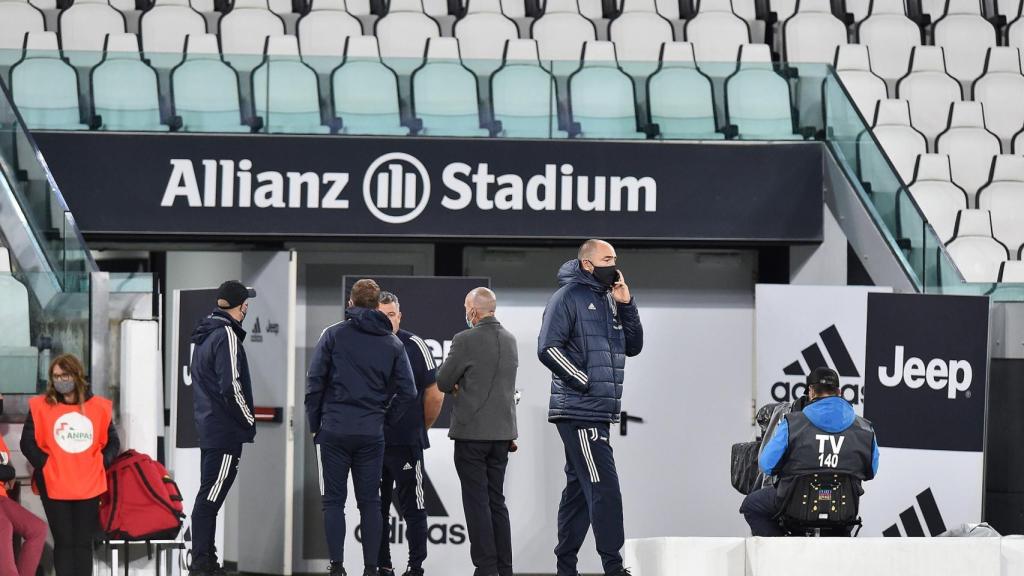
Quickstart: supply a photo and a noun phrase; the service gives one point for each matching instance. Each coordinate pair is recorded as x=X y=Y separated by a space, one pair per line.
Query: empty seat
x=589 y=9
x=482 y=35
x=969 y=145
x=322 y=33
x=45 y=87
x=680 y=98
x=783 y=9
x=125 y=95
x=19 y=360
x=1003 y=197
x=205 y=89
x=974 y=250
x=638 y=37
x=353 y=7
x=244 y=33
x=444 y=92
x=1012 y=271
x=164 y=27
x=1015 y=33
x=16 y=20
x=403 y=37
x=901 y=143
x=365 y=91
x=524 y=95
x=1001 y=90
x=929 y=90
x=275 y=6
x=1009 y=9
x=890 y=36
x=601 y=96
x=813 y=33
x=966 y=37
x=716 y=32
x=285 y=92
x=936 y=194
x=84 y=28
x=853 y=66
x=757 y=99
x=560 y=37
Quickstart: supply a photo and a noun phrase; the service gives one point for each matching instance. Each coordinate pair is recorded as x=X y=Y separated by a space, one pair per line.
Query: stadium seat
x=929 y=90
x=444 y=93
x=560 y=37
x=890 y=36
x=1001 y=90
x=322 y=33
x=590 y=9
x=934 y=9
x=205 y=89
x=717 y=33
x=900 y=141
x=244 y=33
x=19 y=360
x=16 y=20
x=680 y=99
x=163 y=29
x=125 y=94
x=1012 y=271
x=353 y=7
x=783 y=9
x=45 y=87
x=638 y=35
x=758 y=99
x=403 y=34
x=601 y=96
x=278 y=7
x=853 y=66
x=969 y=145
x=1015 y=33
x=974 y=250
x=285 y=92
x=524 y=95
x=813 y=33
x=966 y=36
x=483 y=33
x=936 y=194
x=1008 y=9
x=84 y=28
x=365 y=91
x=1003 y=197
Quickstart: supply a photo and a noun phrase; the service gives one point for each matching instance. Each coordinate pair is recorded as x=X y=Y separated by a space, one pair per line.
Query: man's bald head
x=596 y=253
x=480 y=303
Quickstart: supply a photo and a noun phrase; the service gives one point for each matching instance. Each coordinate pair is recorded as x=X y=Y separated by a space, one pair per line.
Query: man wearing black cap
x=223 y=401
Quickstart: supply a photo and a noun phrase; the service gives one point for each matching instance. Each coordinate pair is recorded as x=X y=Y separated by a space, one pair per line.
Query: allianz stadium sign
x=299 y=186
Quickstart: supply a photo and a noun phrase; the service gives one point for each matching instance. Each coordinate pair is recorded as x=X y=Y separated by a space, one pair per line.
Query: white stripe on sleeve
x=235 y=385
x=568 y=366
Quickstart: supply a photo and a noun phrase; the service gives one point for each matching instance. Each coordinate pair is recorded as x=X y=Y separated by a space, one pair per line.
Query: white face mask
x=64 y=386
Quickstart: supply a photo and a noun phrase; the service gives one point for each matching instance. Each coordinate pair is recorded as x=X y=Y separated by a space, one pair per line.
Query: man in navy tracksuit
x=827 y=430
x=590 y=326
x=358 y=378
x=223 y=403
x=404 y=443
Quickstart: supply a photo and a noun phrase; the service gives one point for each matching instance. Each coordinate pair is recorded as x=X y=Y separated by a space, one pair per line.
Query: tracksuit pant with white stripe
x=364 y=457
x=591 y=497
x=218 y=470
x=403 y=465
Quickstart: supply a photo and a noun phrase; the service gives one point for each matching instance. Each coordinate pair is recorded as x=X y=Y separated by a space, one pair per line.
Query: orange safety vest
x=5 y=458
x=74 y=440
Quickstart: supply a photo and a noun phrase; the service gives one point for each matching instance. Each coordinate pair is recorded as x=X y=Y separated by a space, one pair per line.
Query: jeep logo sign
x=952 y=375
x=927 y=357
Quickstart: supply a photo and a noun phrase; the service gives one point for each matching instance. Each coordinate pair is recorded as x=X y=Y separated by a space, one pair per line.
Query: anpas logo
x=851 y=387
x=73 y=432
x=953 y=375
x=397 y=188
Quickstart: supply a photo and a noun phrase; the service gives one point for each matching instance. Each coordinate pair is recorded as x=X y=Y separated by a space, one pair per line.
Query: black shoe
x=412 y=572
x=621 y=572
x=372 y=571
x=335 y=569
x=385 y=572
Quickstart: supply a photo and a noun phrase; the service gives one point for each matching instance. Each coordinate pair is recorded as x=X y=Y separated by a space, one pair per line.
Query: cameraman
x=826 y=436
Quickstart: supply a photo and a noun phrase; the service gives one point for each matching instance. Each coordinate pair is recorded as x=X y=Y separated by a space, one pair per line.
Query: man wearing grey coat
x=480 y=376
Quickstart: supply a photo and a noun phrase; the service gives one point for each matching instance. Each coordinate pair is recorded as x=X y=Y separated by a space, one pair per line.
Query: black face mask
x=606 y=275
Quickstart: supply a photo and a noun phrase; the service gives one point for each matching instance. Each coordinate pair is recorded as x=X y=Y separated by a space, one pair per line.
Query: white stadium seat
x=482 y=34
x=966 y=37
x=1003 y=196
x=716 y=32
x=975 y=251
x=853 y=66
x=243 y=35
x=969 y=145
x=901 y=142
x=1001 y=90
x=84 y=28
x=929 y=90
x=890 y=36
x=813 y=33
x=934 y=191
x=16 y=20
x=561 y=35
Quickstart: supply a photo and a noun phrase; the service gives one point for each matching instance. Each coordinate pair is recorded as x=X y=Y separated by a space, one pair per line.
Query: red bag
x=142 y=502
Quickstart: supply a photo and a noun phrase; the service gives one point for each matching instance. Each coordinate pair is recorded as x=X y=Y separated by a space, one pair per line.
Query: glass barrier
x=519 y=96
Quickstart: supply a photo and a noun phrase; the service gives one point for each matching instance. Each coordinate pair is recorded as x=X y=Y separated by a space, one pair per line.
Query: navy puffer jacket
x=584 y=339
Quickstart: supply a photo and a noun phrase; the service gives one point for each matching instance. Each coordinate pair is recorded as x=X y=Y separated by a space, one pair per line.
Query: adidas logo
x=407 y=466
x=591 y=307
x=912 y=522
x=831 y=352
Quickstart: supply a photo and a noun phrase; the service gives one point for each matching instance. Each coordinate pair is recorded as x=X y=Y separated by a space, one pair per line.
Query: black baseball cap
x=823 y=377
x=233 y=293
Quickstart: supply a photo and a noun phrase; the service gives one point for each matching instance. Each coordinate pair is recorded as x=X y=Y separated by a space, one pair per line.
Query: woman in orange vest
x=16 y=521
x=70 y=439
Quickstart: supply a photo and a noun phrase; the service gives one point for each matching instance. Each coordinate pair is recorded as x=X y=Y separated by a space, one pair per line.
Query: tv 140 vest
x=812 y=450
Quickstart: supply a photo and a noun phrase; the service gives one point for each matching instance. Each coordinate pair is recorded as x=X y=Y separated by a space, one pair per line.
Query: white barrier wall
x=142 y=413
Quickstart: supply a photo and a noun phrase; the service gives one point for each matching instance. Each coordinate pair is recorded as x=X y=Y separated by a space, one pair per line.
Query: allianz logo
x=952 y=375
x=396 y=188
